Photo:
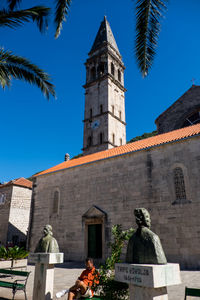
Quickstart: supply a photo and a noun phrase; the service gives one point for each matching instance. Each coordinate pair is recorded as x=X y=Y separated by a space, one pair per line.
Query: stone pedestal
x=148 y=282
x=44 y=273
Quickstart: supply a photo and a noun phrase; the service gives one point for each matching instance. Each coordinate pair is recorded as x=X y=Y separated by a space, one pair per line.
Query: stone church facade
x=83 y=198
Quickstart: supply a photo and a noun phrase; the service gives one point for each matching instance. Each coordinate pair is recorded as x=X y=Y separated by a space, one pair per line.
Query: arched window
x=120 y=114
x=120 y=140
x=101 y=138
x=113 y=138
x=119 y=76
x=93 y=73
x=89 y=141
x=101 y=109
x=100 y=69
x=56 y=200
x=112 y=69
x=179 y=184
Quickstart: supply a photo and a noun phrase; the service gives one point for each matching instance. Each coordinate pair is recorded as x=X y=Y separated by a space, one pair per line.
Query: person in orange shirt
x=83 y=286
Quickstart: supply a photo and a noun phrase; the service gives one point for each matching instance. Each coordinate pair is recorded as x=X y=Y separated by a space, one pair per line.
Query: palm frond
x=148 y=15
x=62 y=10
x=17 y=67
x=13 y=3
x=16 y=18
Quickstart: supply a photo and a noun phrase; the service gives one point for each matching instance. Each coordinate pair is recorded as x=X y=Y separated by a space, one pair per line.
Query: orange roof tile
x=20 y=182
x=147 y=143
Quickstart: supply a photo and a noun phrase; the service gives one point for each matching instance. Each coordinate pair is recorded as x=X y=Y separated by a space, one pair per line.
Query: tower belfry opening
x=104 y=94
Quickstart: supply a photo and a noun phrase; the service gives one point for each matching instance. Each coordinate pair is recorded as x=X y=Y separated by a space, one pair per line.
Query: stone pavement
x=68 y=273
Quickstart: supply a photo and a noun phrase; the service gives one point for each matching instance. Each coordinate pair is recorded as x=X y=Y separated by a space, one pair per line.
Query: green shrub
x=12 y=253
x=108 y=288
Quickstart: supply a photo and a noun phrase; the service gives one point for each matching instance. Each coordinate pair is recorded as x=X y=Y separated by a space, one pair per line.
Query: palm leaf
x=13 y=3
x=17 y=67
x=62 y=10
x=148 y=15
x=16 y=18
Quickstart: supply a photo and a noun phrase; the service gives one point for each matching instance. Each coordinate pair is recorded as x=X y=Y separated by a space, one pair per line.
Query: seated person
x=83 y=286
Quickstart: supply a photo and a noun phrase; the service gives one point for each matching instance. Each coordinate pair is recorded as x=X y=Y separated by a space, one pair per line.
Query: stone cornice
x=103 y=113
x=107 y=75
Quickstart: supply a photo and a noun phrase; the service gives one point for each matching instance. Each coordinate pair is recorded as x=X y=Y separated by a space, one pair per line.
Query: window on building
x=89 y=141
x=90 y=113
x=2 y=198
x=120 y=140
x=101 y=109
x=119 y=76
x=192 y=119
x=113 y=109
x=179 y=184
x=112 y=69
x=113 y=139
x=101 y=138
x=120 y=114
x=56 y=199
x=100 y=69
x=93 y=73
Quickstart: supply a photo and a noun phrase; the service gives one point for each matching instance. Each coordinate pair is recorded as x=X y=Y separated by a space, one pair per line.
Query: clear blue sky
x=36 y=134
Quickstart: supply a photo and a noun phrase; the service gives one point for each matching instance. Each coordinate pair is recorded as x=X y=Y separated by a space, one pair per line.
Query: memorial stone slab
x=148 y=282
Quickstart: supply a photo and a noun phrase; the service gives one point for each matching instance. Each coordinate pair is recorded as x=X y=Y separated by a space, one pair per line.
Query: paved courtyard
x=67 y=274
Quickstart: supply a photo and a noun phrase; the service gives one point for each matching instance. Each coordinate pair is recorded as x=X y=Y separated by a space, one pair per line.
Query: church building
x=83 y=198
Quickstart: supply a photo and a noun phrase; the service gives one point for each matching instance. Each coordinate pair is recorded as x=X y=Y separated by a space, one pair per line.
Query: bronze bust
x=48 y=243
x=144 y=247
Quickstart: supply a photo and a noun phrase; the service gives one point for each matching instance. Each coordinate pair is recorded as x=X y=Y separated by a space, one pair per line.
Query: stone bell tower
x=104 y=118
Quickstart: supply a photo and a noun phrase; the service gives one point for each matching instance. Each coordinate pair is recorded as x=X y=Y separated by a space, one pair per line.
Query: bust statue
x=144 y=247
x=47 y=244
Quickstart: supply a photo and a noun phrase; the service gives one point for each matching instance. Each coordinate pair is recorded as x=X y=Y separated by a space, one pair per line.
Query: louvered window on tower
x=89 y=141
x=90 y=113
x=119 y=76
x=93 y=73
x=113 y=138
x=113 y=109
x=101 y=109
x=100 y=69
x=179 y=184
x=101 y=138
x=112 y=69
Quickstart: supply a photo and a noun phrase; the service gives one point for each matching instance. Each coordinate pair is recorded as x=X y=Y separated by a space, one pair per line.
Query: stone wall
x=174 y=117
x=19 y=213
x=4 y=213
x=117 y=186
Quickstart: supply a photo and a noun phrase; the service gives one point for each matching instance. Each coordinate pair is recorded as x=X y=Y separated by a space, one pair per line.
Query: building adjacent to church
x=83 y=198
x=15 y=203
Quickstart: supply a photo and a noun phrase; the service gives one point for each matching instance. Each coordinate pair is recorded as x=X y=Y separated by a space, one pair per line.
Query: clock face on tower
x=95 y=124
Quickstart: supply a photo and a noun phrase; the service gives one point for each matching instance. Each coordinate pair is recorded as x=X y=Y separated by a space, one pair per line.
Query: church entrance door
x=95 y=240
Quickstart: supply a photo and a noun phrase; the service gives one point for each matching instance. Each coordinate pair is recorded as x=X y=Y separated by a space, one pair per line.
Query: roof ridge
x=150 y=142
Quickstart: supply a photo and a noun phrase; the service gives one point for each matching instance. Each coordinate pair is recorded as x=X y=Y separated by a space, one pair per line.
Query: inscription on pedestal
x=133 y=274
x=152 y=276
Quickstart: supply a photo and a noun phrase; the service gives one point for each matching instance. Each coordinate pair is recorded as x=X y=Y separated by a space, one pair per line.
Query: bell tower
x=104 y=117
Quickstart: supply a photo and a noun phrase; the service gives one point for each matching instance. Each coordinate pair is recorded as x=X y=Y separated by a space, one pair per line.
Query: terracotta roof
x=144 y=144
x=20 y=182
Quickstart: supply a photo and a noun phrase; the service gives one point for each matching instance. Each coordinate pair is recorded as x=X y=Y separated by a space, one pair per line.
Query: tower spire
x=104 y=36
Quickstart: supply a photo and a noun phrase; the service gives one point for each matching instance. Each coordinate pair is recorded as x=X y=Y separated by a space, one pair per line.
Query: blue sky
x=36 y=133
